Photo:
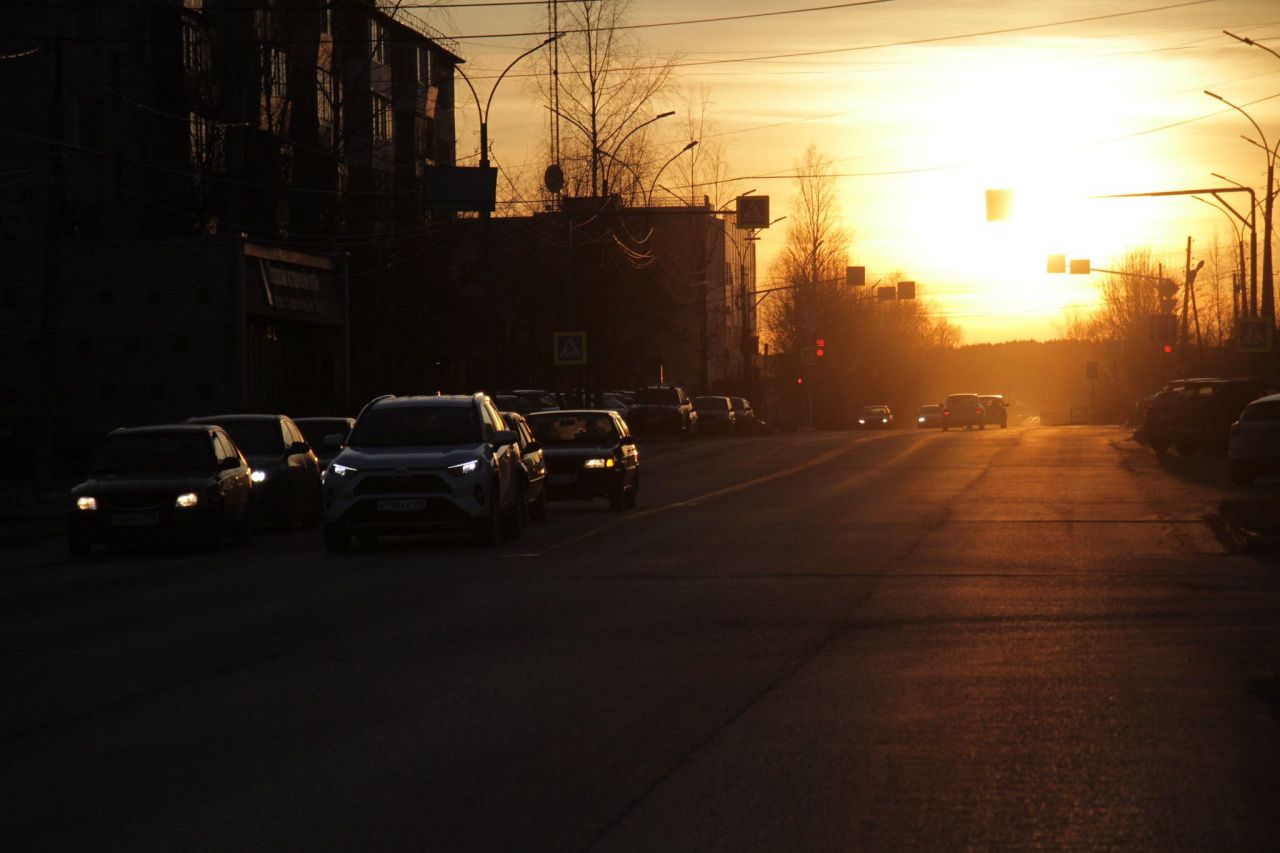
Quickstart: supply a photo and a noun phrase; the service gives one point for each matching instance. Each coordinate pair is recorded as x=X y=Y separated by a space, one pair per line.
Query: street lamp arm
x=1251 y=43
x=1243 y=113
x=658 y=174
x=1227 y=211
x=548 y=40
x=613 y=155
x=479 y=112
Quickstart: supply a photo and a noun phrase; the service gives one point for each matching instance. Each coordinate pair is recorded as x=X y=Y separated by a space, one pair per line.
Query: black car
x=663 y=409
x=534 y=462
x=996 y=409
x=180 y=481
x=875 y=417
x=325 y=435
x=746 y=415
x=1203 y=410
x=286 y=473
x=716 y=415
x=590 y=454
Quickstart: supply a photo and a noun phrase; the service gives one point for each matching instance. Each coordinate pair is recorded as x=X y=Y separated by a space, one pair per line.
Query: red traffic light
x=1168 y=347
x=799 y=380
x=819 y=353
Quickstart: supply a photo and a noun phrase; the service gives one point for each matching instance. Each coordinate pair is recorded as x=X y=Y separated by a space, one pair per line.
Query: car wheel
x=488 y=530
x=1159 y=444
x=1242 y=473
x=1187 y=448
x=538 y=512
x=337 y=539
x=79 y=547
x=618 y=498
x=633 y=494
x=518 y=515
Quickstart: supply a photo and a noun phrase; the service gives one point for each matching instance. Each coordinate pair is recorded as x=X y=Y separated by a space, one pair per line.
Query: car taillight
x=977 y=411
x=946 y=411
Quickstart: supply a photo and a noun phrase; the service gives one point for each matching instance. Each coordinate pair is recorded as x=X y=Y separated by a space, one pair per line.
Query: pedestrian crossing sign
x=1253 y=334
x=570 y=349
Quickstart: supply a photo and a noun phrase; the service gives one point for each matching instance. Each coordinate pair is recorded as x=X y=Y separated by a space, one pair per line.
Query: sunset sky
x=923 y=104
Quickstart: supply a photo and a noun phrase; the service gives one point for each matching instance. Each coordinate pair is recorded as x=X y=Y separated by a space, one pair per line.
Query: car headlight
x=920 y=419
x=464 y=468
x=188 y=500
x=339 y=470
x=884 y=420
x=862 y=420
x=86 y=503
x=257 y=476
x=598 y=463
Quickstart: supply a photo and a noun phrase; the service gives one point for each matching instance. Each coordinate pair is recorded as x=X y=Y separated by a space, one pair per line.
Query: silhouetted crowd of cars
x=958 y=410
x=476 y=464
x=1241 y=416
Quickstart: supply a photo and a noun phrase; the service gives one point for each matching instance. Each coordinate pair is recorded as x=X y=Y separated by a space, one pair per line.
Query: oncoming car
x=425 y=465
x=929 y=416
x=875 y=417
x=963 y=410
x=590 y=454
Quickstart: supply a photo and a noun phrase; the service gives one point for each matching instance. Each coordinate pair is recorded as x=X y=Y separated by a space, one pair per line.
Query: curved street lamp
x=1238 y=287
x=483 y=115
x=613 y=155
x=1268 y=285
x=654 y=185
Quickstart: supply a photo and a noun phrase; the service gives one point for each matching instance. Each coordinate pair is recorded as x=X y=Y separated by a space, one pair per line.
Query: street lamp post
x=613 y=155
x=483 y=114
x=658 y=174
x=1237 y=284
x=1268 y=286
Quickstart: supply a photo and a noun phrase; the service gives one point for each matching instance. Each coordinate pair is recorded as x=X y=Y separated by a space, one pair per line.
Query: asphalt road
x=1012 y=639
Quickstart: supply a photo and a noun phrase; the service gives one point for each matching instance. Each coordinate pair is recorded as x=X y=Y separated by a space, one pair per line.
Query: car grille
x=140 y=500
x=390 y=484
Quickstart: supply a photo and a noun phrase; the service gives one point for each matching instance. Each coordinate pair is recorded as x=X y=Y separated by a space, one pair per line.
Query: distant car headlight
x=884 y=420
x=86 y=503
x=188 y=500
x=339 y=471
x=257 y=476
x=464 y=468
x=862 y=420
x=598 y=463
x=920 y=419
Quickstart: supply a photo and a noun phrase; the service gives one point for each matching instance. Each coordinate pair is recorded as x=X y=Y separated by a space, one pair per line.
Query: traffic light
x=819 y=347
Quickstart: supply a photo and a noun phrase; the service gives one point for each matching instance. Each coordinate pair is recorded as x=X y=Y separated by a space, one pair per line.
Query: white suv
x=423 y=465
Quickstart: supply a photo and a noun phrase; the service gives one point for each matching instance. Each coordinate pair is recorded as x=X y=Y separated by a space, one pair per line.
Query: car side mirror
x=532 y=447
x=503 y=437
x=298 y=447
x=230 y=463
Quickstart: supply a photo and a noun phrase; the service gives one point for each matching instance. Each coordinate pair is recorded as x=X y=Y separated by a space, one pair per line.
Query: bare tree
x=607 y=93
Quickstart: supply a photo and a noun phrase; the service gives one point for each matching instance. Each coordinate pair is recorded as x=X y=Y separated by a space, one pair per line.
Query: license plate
x=402 y=506
x=135 y=519
x=557 y=479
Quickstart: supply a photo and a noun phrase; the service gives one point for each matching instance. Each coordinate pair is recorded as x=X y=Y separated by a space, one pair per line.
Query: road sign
x=855 y=276
x=1253 y=334
x=906 y=290
x=752 y=212
x=886 y=294
x=570 y=348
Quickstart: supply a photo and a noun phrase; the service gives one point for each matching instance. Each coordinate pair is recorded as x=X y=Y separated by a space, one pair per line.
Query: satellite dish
x=553 y=178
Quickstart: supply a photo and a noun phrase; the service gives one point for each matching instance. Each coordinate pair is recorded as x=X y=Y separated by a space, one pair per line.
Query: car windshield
x=1262 y=411
x=417 y=426
x=584 y=430
x=154 y=452
x=931 y=409
x=711 y=404
x=314 y=430
x=658 y=397
x=256 y=438
x=875 y=410
x=962 y=400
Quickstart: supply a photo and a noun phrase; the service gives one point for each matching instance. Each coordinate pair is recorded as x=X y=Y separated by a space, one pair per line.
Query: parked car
x=875 y=417
x=286 y=472
x=715 y=415
x=1156 y=419
x=963 y=410
x=929 y=416
x=1204 y=410
x=1254 y=447
x=746 y=415
x=534 y=461
x=590 y=454
x=663 y=409
x=996 y=408
x=177 y=480
x=325 y=435
x=425 y=465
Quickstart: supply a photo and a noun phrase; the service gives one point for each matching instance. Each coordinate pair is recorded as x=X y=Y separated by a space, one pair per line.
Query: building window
x=206 y=147
x=196 y=55
x=424 y=65
x=381 y=118
x=378 y=40
x=424 y=137
x=275 y=87
x=326 y=106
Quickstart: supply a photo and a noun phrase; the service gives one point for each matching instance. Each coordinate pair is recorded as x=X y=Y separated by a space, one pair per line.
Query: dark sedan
x=327 y=436
x=590 y=454
x=286 y=473
x=716 y=415
x=179 y=481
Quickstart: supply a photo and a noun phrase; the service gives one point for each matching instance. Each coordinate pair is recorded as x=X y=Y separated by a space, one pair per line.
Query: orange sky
x=917 y=131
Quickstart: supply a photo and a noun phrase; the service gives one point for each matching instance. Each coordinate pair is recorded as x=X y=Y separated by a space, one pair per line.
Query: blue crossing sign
x=570 y=348
x=1253 y=334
